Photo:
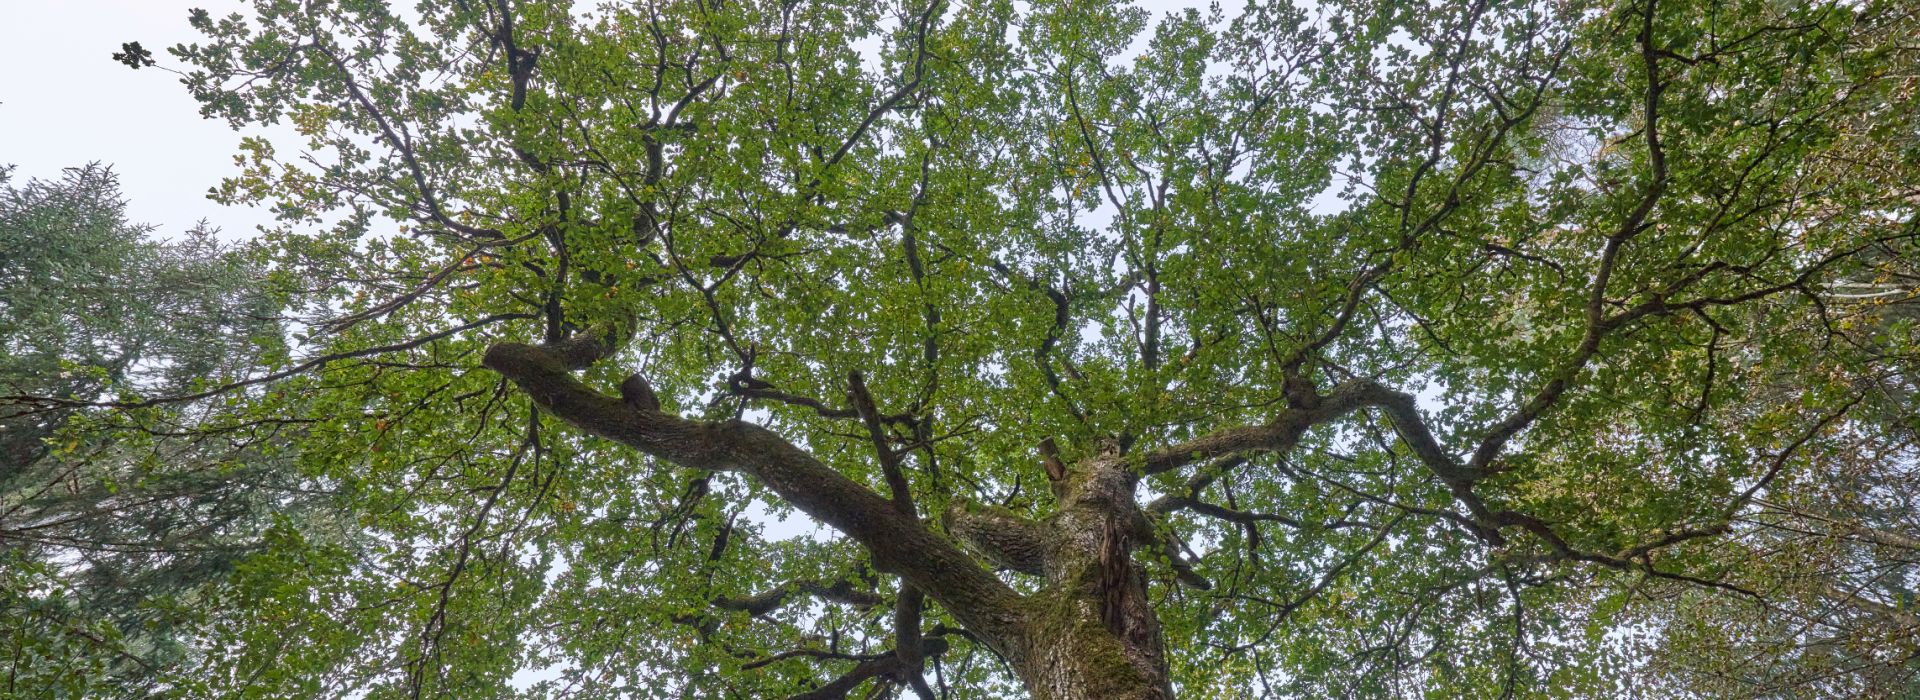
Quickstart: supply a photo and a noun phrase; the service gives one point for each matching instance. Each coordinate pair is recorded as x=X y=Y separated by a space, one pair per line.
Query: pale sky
x=65 y=102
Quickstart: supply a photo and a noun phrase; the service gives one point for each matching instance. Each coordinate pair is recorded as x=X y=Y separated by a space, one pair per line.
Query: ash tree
x=1550 y=349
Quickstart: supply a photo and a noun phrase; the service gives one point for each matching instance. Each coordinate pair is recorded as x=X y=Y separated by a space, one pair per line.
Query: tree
x=109 y=539
x=1374 y=349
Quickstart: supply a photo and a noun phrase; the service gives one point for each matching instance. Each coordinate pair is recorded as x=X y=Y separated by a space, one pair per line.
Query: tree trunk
x=1091 y=631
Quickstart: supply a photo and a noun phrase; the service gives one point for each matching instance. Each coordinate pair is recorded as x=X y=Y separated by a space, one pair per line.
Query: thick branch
x=899 y=544
x=999 y=536
x=839 y=591
x=862 y=400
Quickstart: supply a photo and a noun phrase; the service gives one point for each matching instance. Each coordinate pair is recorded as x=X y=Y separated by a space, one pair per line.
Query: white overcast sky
x=65 y=102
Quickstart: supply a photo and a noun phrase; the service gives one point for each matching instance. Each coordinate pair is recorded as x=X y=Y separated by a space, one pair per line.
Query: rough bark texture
x=1092 y=629
x=1101 y=638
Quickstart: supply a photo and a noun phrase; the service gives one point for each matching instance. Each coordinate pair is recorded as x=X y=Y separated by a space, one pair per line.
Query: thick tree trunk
x=1091 y=636
x=1091 y=631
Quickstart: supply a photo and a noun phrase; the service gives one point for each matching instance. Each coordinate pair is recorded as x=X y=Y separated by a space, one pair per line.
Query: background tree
x=111 y=541
x=1435 y=350
x=1840 y=550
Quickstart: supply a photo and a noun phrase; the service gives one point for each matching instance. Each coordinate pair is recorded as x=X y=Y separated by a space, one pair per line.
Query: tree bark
x=1096 y=633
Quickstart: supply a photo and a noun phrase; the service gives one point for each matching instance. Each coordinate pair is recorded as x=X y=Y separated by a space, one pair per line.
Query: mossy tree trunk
x=1092 y=629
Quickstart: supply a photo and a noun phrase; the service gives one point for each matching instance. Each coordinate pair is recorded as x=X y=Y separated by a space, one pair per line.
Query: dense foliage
x=1365 y=349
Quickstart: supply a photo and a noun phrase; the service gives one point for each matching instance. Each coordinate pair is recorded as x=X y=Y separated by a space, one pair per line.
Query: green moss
x=1062 y=615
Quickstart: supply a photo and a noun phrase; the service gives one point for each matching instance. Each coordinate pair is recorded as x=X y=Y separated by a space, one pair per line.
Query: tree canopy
x=741 y=348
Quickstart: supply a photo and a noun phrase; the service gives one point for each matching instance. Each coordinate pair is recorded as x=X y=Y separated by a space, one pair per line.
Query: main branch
x=899 y=544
